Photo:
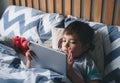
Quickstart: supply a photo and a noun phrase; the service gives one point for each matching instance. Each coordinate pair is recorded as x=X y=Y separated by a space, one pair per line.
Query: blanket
x=12 y=70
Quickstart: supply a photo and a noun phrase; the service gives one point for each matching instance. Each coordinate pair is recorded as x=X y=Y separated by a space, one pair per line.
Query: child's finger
x=32 y=53
x=29 y=55
x=70 y=51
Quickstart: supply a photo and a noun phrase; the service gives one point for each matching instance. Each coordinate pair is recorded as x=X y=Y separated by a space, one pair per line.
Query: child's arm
x=71 y=73
x=74 y=77
x=29 y=54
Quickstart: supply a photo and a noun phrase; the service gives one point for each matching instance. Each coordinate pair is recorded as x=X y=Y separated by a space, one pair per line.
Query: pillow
x=96 y=53
x=112 y=54
x=32 y=24
x=21 y=21
x=49 y=21
x=56 y=36
x=111 y=48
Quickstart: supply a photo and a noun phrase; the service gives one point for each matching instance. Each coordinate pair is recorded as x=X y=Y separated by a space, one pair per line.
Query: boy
x=76 y=42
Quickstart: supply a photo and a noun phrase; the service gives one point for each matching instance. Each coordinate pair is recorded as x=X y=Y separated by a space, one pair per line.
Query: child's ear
x=60 y=43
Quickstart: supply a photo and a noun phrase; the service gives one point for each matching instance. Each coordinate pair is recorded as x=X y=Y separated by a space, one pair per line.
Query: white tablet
x=49 y=58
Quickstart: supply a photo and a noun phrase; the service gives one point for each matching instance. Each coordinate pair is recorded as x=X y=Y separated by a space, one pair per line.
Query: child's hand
x=29 y=54
x=70 y=60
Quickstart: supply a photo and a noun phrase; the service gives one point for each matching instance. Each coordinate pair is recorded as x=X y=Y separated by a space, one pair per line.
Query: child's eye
x=73 y=42
x=63 y=40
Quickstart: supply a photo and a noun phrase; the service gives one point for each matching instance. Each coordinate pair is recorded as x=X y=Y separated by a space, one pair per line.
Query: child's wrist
x=28 y=64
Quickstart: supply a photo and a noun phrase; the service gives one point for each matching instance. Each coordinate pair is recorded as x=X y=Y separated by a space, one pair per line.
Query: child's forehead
x=71 y=36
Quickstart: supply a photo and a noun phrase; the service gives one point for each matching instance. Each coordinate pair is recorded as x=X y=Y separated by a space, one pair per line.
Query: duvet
x=12 y=70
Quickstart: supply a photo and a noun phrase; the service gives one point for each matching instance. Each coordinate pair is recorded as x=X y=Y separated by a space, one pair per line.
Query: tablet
x=49 y=58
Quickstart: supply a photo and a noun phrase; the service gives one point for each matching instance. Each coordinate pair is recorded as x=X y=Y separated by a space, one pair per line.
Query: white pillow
x=21 y=21
x=97 y=53
x=56 y=35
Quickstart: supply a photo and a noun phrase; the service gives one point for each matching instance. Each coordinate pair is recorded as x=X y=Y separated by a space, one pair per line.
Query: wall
x=3 y=5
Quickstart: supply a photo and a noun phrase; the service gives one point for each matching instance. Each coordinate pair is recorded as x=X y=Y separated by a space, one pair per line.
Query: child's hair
x=82 y=31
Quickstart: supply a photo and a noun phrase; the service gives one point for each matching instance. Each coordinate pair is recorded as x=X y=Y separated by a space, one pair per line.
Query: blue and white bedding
x=12 y=70
x=34 y=25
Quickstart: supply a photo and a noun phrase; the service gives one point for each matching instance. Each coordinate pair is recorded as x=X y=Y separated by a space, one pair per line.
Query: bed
x=31 y=18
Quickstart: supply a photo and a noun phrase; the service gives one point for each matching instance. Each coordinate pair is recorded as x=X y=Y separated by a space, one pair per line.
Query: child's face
x=70 y=42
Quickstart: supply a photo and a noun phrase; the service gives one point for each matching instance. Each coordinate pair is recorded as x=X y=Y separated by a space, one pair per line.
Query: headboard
x=104 y=11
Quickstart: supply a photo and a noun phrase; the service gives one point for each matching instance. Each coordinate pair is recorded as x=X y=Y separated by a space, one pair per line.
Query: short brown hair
x=82 y=30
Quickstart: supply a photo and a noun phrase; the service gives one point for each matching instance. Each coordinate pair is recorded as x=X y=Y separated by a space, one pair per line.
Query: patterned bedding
x=32 y=24
x=36 y=25
x=12 y=70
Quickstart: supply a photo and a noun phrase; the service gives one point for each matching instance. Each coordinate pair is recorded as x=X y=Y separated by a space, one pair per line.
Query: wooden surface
x=97 y=13
x=104 y=11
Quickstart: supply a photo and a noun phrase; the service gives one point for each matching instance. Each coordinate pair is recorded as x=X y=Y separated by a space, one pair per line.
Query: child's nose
x=67 y=44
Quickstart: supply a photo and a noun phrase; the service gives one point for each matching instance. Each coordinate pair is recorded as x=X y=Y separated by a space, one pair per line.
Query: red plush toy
x=21 y=43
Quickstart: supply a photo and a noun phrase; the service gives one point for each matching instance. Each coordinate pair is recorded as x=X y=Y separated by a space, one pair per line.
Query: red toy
x=21 y=43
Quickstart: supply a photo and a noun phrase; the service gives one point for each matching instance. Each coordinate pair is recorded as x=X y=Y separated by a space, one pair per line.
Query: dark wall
x=3 y=5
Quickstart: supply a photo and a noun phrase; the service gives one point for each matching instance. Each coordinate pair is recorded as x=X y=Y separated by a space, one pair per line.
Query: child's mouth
x=65 y=51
